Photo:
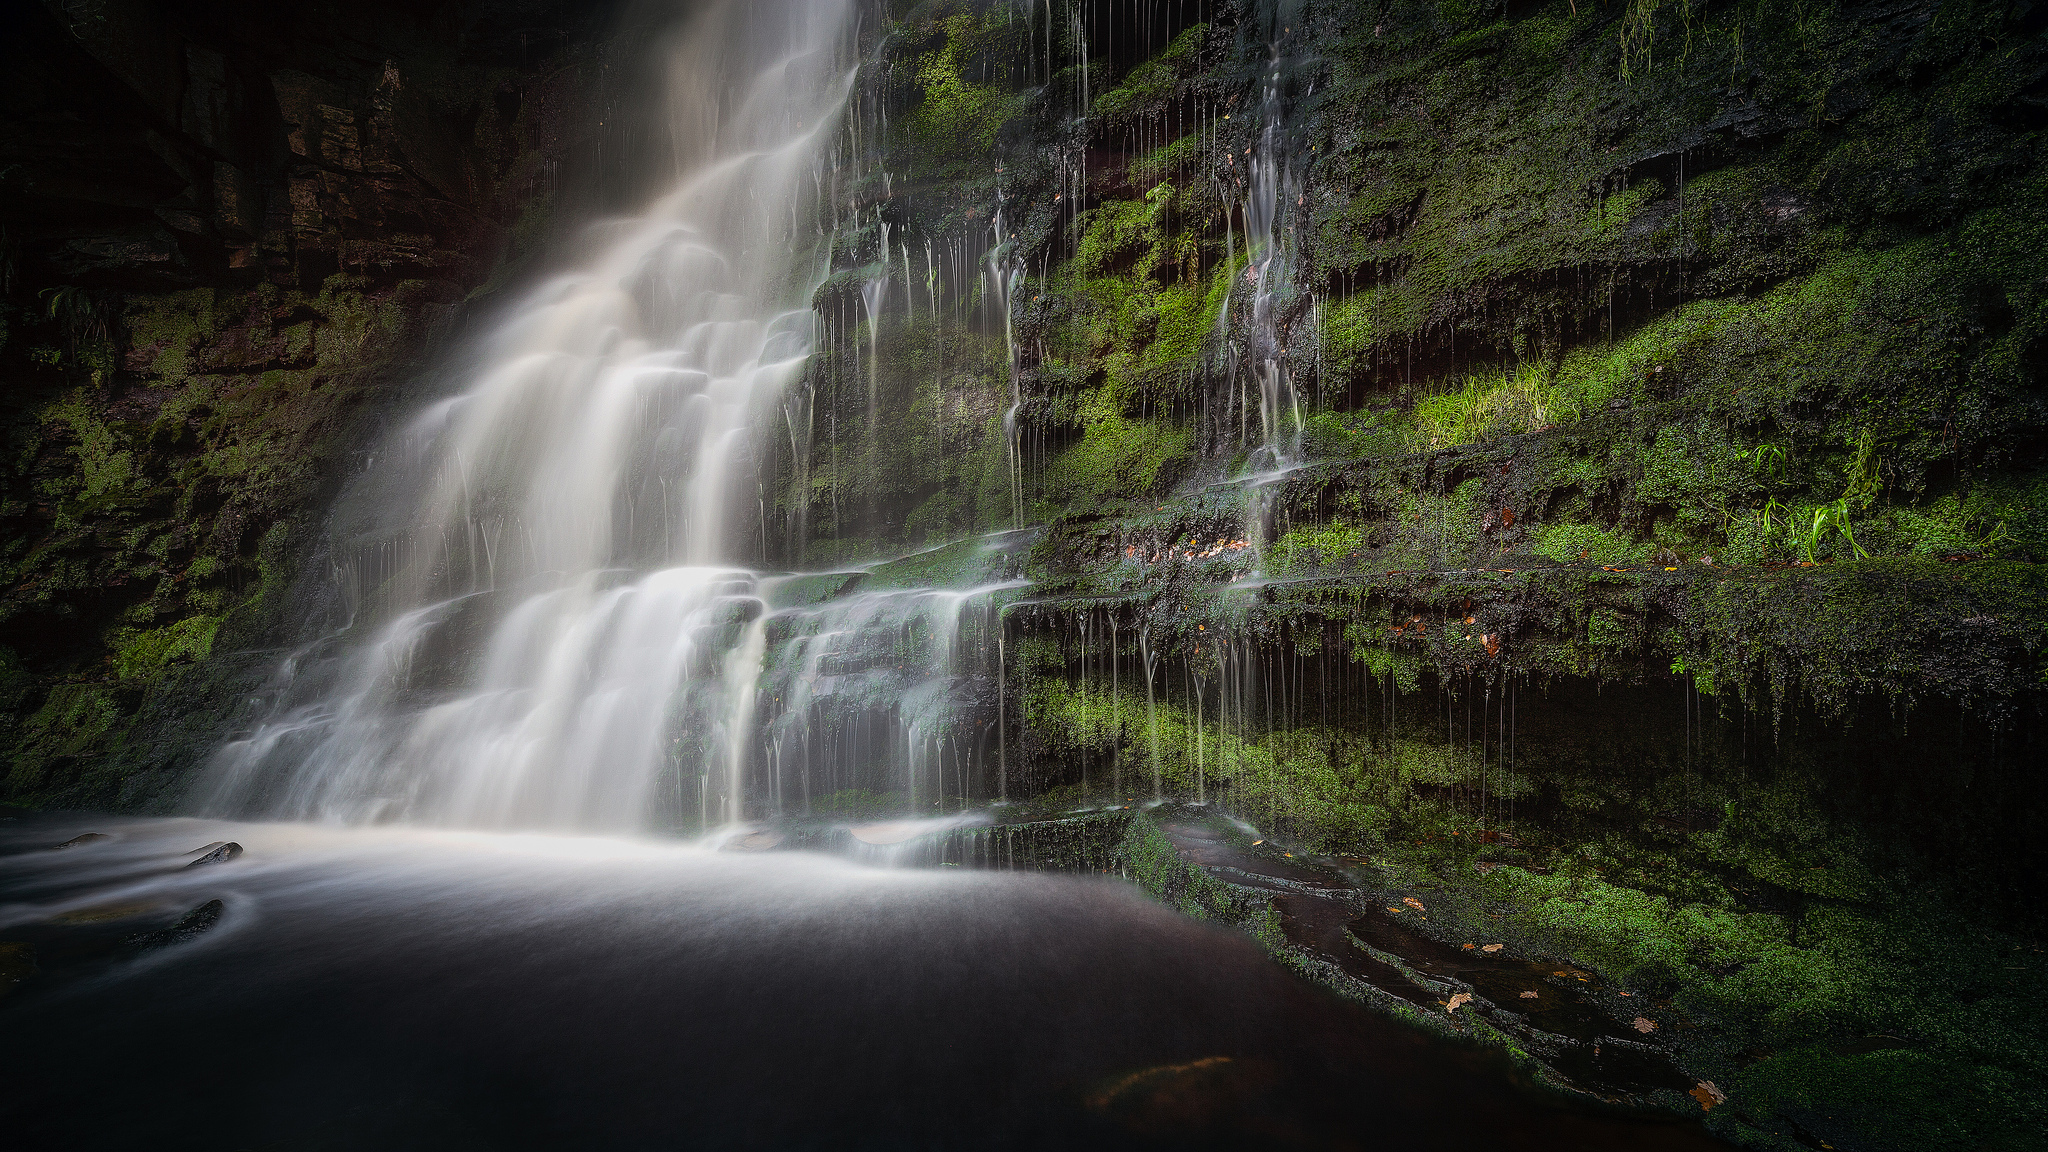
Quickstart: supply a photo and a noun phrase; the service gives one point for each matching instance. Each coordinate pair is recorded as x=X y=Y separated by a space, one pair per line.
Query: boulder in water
x=756 y=841
x=81 y=840
x=217 y=853
x=188 y=926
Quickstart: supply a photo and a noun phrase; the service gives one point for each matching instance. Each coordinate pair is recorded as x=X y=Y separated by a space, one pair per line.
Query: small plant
x=1808 y=530
x=1489 y=405
x=86 y=336
x=1766 y=460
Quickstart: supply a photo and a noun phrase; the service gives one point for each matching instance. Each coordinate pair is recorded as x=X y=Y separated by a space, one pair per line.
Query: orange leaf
x=1457 y=1002
x=1412 y=902
x=1645 y=1025
x=1491 y=948
x=1708 y=1095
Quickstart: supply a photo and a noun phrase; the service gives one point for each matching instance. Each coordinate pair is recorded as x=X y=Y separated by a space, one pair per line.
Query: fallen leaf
x=1708 y=1095
x=1492 y=643
x=1491 y=948
x=1466 y=947
x=1457 y=1002
x=1412 y=902
x=1645 y=1025
x=1507 y=517
x=1256 y=843
x=1530 y=995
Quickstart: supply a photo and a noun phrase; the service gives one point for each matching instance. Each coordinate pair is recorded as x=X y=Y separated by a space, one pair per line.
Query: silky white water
x=573 y=633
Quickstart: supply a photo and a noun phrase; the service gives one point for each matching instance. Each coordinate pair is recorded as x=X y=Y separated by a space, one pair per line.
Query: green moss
x=956 y=118
x=1576 y=543
x=1156 y=79
x=1898 y=1098
x=1307 y=549
x=73 y=720
x=1485 y=406
x=140 y=654
x=1116 y=459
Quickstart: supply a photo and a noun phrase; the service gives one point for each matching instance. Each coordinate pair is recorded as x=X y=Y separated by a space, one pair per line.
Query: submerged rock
x=895 y=832
x=190 y=925
x=17 y=963
x=757 y=841
x=101 y=913
x=217 y=853
x=81 y=840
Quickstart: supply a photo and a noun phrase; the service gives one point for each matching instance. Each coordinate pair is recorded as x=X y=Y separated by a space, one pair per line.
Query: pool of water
x=401 y=988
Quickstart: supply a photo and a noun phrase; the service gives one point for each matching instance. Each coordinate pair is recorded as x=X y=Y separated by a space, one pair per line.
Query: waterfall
x=577 y=622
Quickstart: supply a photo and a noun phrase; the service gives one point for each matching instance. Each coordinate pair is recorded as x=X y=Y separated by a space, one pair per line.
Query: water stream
x=404 y=987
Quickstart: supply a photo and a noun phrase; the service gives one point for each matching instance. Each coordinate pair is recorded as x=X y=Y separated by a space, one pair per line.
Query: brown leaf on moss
x=1492 y=643
x=1708 y=1095
x=1645 y=1025
x=1412 y=902
x=1457 y=1002
x=1507 y=517
x=1491 y=948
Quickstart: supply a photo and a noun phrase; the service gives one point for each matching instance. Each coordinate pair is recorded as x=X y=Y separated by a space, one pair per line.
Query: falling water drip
x=1003 y=278
x=1151 y=708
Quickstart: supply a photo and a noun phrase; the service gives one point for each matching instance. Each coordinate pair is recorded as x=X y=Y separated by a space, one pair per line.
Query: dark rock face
x=189 y=145
x=82 y=839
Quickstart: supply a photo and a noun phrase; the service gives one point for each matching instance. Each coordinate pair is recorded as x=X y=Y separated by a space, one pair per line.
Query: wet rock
x=759 y=841
x=218 y=853
x=81 y=840
x=17 y=963
x=1177 y=1098
x=188 y=927
x=895 y=832
x=101 y=913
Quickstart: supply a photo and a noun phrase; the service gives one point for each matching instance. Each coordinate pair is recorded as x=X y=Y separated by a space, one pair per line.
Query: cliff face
x=1692 y=352
x=1587 y=460
x=230 y=231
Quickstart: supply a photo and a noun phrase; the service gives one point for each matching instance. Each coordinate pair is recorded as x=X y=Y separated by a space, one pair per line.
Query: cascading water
x=1270 y=188
x=574 y=639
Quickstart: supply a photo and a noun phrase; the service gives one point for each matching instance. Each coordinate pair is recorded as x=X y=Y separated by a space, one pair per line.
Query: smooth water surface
x=393 y=988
